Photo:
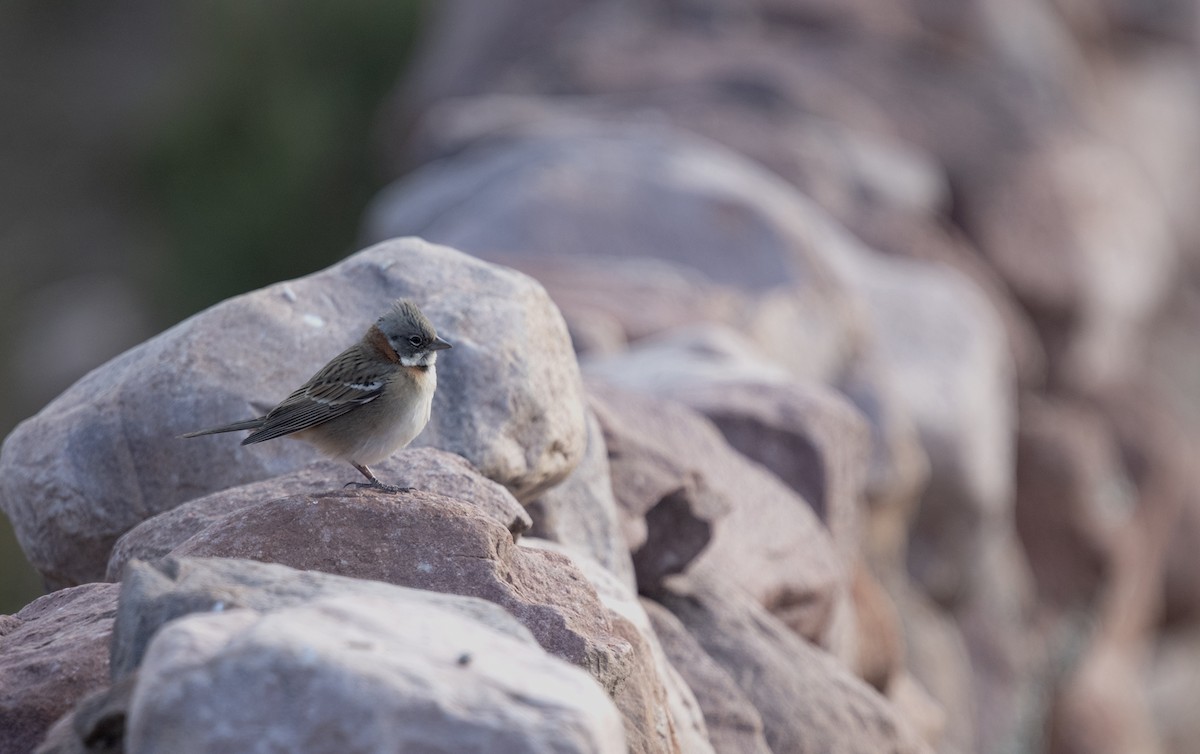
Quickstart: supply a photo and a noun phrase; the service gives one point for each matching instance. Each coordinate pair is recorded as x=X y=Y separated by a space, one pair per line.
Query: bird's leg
x=374 y=482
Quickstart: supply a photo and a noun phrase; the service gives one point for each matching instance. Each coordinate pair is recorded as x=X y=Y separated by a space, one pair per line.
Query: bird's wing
x=344 y=384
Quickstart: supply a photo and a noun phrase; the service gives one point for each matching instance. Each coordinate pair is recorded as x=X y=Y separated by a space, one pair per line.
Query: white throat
x=422 y=359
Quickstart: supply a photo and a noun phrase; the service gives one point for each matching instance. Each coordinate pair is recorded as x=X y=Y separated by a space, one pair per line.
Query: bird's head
x=411 y=335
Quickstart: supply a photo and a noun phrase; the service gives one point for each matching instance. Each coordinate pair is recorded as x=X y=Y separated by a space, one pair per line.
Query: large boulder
x=581 y=511
x=734 y=726
x=154 y=594
x=661 y=713
x=426 y=469
x=770 y=540
x=360 y=674
x=104 y=456
x=808 y=701
x=810 y=437
x=52 y=653
x=946 y=351
x=426 y=541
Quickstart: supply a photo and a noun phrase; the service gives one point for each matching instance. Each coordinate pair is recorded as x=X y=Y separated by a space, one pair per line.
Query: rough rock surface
x=356 y=674
x=946 y=350
x=811 y=438
x=52 y=653
x=1068 y=499
x=101 y=458
x=660 y=711
x=153 y=594
x=734 y=725
x=770 y=541
x=425 y=469
x=96 y=725
x=808 y=702
x=426 y=541
x=581 y=511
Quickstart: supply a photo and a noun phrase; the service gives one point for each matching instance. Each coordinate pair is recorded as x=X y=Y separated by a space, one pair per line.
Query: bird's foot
x=389 y=488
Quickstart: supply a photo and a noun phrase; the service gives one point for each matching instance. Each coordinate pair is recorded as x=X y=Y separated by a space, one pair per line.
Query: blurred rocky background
x=888 y=319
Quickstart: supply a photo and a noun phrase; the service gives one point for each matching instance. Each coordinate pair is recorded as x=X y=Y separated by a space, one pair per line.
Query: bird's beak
x=439 y=345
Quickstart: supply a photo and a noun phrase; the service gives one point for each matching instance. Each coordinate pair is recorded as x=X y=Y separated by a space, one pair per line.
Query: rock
x=660 y=711
x=945 y=350
x=915 y=705
x=1148 y=106
x=360 y=674
x=808 y=436
x=623 y=300
x=609 y=192
x=667 y=510
x=153 y=594
x=426 y=541
x=808 y=702
x=581 y=511
x=770 y=541
x=878 y=645
x=52 y=653
x=936 y=657
x=929 y=240
x=1171 y=683
x=1071 y=494
x=898 y=467
x=96 y=725
x=734 y=725
x=1008 y=655
x=1103 y=707
x=426 y=469
x=1181 y=580
x=1091 y=323
x=100 y=458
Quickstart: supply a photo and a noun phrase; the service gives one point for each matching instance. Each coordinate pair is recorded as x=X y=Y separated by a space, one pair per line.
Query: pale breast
x=373 y=432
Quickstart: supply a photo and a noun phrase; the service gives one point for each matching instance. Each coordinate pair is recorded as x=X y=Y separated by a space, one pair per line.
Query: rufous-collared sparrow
x=368 y=402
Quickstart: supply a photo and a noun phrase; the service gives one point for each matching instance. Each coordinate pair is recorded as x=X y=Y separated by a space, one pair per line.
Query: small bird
x=368 y=402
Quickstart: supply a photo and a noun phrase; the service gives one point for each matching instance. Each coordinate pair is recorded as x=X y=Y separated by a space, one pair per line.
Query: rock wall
x=824 y=381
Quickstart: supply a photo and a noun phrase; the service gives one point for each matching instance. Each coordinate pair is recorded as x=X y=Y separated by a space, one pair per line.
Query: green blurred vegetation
x=260 y=161
x=262 y=169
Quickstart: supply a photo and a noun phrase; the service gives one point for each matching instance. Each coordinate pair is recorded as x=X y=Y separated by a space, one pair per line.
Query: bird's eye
x=416 y=340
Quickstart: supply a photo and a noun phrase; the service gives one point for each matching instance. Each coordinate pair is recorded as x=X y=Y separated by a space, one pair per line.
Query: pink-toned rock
x=770 y=541
x=898 y=466
x=1085 y=199
x=581 y=512
x=811 y=438
x=95 y=726
x=425 y=541
x=668 y=510
x=734 y=726
x=1071 y=494
x=52 y=653
x=808 y=702
x=660 y=711
x=936 y=657
x=426 y=469
x=1171 y=684
x=944 y=348
x=154 y=594
x=879 y=644
x=929 y=240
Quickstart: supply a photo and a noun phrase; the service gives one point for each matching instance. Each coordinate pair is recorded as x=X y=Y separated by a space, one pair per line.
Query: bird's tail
x=248 y=424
